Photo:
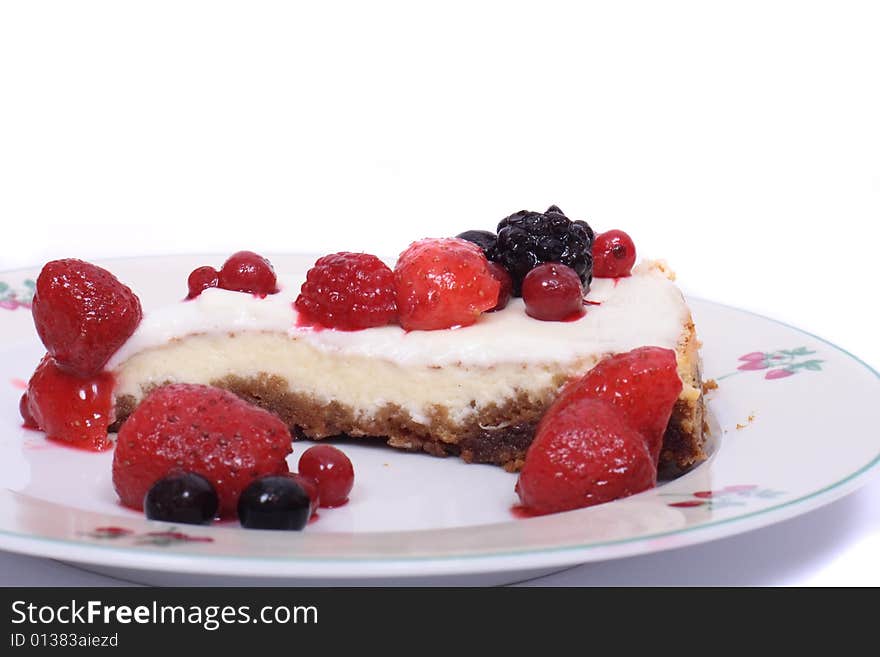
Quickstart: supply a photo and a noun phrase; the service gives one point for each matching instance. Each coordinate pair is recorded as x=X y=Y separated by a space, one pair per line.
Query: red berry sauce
x=521 y=511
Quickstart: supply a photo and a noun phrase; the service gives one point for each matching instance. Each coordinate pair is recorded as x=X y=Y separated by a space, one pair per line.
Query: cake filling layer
x=643 y=309
x=476 y=391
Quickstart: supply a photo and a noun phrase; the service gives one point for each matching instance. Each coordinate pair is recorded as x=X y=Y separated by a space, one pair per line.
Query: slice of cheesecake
x=475 y=391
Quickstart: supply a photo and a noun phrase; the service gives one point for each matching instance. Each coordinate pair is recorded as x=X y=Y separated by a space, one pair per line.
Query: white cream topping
x=643 y=309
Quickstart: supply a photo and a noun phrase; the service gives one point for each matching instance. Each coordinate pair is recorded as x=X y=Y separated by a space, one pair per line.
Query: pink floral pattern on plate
x=12 y=299
x=777 y=364
x=159 y=539
x=736 y=495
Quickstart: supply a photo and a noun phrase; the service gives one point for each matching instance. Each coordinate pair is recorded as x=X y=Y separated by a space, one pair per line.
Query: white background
x=740 y=141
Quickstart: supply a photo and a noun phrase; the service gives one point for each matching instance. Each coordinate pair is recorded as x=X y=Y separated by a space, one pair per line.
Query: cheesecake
x=477 y=391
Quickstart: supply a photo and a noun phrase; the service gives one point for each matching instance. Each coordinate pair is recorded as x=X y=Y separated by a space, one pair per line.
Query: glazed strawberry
x=349 y=291
x=441 y=283
x=588 y=454
x=83 y=314
x=70 y=408
x=247 y=271
x=614 y=254
x=643 y=383
x=199 y=429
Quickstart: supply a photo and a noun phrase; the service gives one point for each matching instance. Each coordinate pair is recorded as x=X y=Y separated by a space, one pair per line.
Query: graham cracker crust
x=499 y=434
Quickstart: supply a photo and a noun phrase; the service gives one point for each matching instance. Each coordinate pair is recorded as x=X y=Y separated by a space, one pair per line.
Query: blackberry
x=527 y=239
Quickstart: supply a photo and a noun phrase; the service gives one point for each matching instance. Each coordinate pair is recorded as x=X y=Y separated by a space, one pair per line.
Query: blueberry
x=482 y=238
x=182 y=497
x=274 y=502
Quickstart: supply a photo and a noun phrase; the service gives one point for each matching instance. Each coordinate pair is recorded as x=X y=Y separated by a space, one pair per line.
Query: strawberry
x=70 y=408
x=83 y=314
x=199 y=429
x=588 y=454
x=643 y=383
x=441 y=283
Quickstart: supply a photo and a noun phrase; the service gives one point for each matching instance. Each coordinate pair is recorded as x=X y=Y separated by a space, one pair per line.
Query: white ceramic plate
x=795 y=427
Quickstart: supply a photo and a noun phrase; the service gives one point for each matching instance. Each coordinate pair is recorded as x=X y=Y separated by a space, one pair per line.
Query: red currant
x=332 y=471
x=500 y=274
x=553 y=292
x=310 y=486
x=247 y=271
x=201 y=279
x=614 y=254
x=25 y=410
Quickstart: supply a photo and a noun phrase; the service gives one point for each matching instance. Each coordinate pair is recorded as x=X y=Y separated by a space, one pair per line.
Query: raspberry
x=200 y=279
x=643 y=383
x=70 y=408
x=441 y=283
x=247 y=271
x=588 y=454
x=349 y=291
x=199 y=429
x=83 y=314
x=553 y=292
x=614 y=254
x=528 y=239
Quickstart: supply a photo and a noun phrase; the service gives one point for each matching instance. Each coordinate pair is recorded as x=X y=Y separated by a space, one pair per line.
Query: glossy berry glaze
x=71 y=409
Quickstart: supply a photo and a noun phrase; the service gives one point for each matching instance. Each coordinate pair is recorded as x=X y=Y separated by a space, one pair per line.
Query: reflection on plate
x=795 y=428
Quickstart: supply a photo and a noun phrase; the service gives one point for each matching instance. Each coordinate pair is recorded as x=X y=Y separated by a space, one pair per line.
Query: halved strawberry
x=585 y=454
x=643 y=383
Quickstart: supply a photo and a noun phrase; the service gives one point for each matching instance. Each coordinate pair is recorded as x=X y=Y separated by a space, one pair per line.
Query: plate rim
x=143 y=558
